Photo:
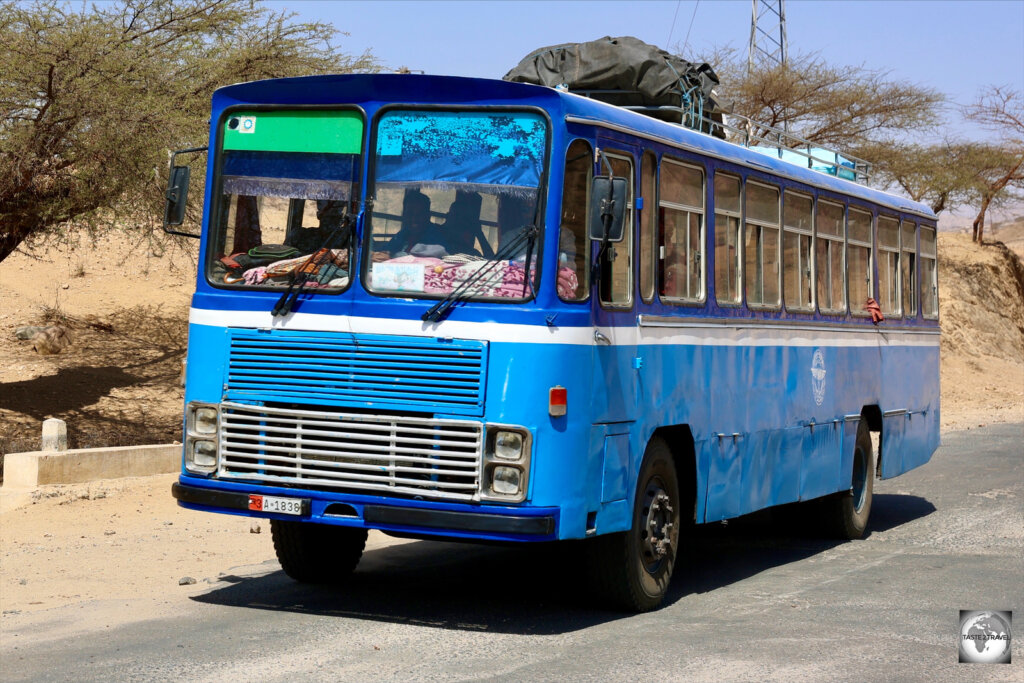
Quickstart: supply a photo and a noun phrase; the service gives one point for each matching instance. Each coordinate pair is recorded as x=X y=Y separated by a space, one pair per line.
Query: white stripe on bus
x=733 y=333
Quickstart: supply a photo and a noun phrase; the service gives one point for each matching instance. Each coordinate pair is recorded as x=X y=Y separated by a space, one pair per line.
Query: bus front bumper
x=416 y=518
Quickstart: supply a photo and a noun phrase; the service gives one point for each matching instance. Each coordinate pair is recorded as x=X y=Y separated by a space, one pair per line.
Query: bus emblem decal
x=818 y=376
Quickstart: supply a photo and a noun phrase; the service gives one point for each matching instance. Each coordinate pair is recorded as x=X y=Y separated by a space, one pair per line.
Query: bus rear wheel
x=632 y=569
x=317 y=553
x=849 y=510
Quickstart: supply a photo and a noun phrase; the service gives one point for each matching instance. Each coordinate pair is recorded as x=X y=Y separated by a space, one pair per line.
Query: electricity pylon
x=767 y=35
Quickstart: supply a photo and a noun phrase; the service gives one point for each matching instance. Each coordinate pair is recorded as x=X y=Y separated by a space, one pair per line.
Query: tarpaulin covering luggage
x=627 y=72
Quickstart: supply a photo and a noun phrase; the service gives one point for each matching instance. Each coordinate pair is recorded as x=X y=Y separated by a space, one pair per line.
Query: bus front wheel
x=850 y=509
x=632 y=569
x=317 y=553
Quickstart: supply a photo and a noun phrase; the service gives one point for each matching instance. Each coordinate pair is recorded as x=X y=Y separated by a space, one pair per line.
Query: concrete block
x=28 y=470
x=55 y=435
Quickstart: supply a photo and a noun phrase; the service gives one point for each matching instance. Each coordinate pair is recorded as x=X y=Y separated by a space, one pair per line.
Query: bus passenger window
x=617 y=263
x=888 y=265
x=797 y=235
x=929 y=275
x=908 y=264
x=761 y=251
x=647 y=226
x=681 y=217
x=727 y=239
x=858 y=261
x=829 y=220
x=573 y=243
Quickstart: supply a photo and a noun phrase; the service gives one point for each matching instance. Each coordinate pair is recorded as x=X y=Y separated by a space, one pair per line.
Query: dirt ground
x=121 y=539
x=117 y=384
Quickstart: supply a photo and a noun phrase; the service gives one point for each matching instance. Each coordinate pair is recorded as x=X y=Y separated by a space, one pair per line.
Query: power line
x=673 y=28
x=694 y=16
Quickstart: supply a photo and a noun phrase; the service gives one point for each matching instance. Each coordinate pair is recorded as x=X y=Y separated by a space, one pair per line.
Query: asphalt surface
x=759 y=599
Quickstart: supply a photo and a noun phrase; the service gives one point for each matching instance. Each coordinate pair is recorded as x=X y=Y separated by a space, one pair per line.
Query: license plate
x=282 y=506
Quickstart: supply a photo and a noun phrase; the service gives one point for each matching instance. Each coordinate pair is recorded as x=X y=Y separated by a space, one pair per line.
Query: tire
x=848 y=512
x=317 y=553
x=631 y=570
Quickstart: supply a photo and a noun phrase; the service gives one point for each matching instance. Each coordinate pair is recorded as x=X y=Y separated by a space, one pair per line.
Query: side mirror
x=177 y=193
x=607 y=208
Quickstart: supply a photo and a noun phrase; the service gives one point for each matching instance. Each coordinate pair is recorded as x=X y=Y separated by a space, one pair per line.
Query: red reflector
x=558 y=398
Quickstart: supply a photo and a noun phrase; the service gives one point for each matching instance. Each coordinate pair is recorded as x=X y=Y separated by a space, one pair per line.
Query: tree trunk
x=978 y=228
x=13 y=234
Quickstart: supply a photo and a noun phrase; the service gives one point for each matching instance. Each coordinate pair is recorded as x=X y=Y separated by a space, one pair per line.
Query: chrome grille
x=348 y=451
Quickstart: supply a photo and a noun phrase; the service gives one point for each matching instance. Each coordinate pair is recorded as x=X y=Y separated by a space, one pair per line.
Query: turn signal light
x=558 y=398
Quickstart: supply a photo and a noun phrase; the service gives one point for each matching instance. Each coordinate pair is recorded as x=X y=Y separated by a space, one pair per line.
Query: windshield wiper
x=527 y=236
x=301 y=275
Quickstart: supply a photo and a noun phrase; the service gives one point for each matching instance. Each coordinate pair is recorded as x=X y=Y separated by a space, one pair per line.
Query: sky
x=955 y=46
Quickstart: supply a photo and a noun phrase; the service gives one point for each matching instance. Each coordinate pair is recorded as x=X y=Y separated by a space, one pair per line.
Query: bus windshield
x=287 y=179
x=451 y=192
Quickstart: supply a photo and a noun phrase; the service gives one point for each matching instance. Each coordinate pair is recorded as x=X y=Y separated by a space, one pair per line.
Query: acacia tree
x=944 y=176
x=1000 y=110
x=838 y=106
x=92 y=100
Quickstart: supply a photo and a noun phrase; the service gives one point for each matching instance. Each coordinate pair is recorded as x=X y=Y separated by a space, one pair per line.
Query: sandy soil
x=118 y=384
x=124 y=539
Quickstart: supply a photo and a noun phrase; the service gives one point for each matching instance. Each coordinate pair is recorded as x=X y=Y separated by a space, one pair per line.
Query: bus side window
x=888 y=265
x=858 y=260
x=727 y=239
x=573 y=243
x=929 y=275
x=761 y=249
x=797 y=236
x=617 y=263
x=908 y=264
x=829 y=233
x=681 y=217
x=648 y=178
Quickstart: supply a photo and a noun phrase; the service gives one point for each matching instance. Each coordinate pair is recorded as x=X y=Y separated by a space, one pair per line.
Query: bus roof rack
x=744 y=131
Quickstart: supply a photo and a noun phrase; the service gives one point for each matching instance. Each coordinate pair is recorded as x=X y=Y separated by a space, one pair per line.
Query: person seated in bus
x=417 y=229
x=463 y=230
x=513 y=214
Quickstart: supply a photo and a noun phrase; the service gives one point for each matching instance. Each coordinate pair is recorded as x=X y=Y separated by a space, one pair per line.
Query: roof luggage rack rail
x=748 y=133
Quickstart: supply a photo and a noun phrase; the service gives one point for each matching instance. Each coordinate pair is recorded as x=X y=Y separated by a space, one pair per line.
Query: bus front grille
x=381 y=454
x=381 y=372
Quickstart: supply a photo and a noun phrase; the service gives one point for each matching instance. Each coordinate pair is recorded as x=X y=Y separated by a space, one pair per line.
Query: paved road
x=757 y=602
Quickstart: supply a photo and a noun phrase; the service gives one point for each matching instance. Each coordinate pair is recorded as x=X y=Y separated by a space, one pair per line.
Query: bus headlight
x=506 y=463
x=202 y=422
x=506 y=481
x=508 y=445
x=201 y=456
x=205 y=421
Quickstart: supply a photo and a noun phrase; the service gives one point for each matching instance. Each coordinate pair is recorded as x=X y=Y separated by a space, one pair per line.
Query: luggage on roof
x=630 y=73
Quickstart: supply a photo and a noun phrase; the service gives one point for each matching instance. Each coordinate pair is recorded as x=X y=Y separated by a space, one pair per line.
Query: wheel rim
x=658 y=531
x=860 y=478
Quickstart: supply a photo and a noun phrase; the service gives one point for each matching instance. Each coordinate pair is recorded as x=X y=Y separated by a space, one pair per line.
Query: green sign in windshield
x=333 y=132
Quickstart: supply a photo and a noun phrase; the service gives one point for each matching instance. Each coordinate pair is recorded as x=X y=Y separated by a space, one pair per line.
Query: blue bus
x=447 y=307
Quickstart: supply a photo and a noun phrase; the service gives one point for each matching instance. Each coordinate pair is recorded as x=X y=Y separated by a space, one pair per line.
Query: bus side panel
x=910 y=433
x=675 y=388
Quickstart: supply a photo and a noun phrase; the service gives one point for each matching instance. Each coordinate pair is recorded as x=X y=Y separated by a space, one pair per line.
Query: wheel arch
x=684 y=456
x=872 y=416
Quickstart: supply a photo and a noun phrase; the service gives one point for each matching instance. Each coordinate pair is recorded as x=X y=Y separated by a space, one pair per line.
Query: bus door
x=615 y=326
